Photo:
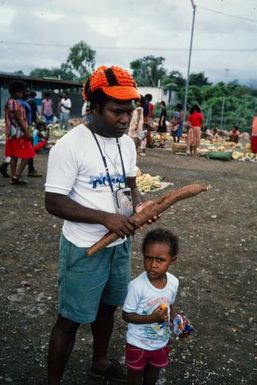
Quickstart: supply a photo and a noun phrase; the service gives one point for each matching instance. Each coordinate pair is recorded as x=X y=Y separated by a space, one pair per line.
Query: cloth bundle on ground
x=221 y=155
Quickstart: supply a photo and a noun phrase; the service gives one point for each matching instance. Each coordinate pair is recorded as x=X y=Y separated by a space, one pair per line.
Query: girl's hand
x=160 y=314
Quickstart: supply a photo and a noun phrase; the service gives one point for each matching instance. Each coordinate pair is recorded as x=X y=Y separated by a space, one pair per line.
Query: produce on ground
x=147 y=182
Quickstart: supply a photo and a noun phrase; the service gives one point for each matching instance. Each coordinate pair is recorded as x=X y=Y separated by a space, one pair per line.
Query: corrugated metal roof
x=14 y=76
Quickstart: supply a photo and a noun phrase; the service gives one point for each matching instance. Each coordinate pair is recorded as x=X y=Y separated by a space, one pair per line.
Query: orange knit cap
x=114 y=81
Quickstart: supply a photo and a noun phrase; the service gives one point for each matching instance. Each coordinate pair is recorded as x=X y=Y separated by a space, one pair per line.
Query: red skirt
x=254 y=144
x=19 y=148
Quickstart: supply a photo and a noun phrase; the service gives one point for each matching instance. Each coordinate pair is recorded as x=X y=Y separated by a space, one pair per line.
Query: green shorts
x=85 y=281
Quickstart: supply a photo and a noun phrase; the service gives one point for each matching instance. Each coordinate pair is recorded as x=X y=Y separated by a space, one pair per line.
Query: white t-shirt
x=143 y=298
x=65 y=103
x=84 y=110
x=75 y=168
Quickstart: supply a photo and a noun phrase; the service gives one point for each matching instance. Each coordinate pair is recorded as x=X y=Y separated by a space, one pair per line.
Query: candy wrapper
x=182 y=326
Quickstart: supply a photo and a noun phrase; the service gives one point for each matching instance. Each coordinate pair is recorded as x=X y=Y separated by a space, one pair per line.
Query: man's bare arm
x=64 y=207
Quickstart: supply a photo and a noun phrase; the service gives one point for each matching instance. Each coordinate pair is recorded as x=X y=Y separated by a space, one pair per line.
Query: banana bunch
x=147 y=182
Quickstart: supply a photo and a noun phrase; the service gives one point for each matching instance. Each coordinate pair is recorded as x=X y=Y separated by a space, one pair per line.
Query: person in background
x=206 y=133
x=89 y=115
x=47 y=109
x=177 y=123
x=40 y=136
x=195 y=120
x=33 y=106
x=148 y=99
x=18 y=139
x=234 y=134
x=25 y=104
x=59 y=107
x=136 y=123
x=253 y=137
x=32 y=172
x=162 y=127
x=23 y=101
x=4 y=167
x=89 y=170
x=148 y=108
x=84 y=111
x=149 y=308
x=143 y=142
x=65 y=111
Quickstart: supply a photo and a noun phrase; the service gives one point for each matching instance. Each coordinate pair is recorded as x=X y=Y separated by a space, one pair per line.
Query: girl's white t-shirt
x=143 y=298
x=76 y=169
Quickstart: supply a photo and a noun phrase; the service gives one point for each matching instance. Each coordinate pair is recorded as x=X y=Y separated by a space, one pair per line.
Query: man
x=33 y=106
x=65 y=111
x=89 y=169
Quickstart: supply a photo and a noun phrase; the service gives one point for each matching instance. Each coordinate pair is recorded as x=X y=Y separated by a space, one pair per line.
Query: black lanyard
x=105 y=163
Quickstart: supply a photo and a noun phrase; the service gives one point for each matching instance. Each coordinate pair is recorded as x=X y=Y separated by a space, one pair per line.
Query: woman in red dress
x=195 y=120
x=18 y=139
x=254 y=135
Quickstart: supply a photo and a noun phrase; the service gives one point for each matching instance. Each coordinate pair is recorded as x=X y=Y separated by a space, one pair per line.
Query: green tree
x=63 y=73
x=174 y=81
x=211 y=91
x=19 y=72
x=78 y=66
x=198 y=79
x=45 y=72
x=81 y=60
x=148 y=71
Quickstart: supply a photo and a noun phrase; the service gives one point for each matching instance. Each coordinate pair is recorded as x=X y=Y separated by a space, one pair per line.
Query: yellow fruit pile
x=237 y=155
x=147 y=182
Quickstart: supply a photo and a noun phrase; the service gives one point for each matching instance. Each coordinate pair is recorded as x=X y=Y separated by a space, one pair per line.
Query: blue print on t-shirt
x=101 y=181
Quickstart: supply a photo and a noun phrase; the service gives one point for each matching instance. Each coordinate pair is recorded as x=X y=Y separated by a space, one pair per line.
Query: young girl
x=147 y=309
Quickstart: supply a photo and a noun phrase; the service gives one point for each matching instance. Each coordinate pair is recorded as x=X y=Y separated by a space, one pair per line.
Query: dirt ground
x=216 y=267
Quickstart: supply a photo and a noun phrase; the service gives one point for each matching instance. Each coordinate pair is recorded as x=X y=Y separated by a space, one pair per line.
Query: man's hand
x=120 y=224
x=143 y=206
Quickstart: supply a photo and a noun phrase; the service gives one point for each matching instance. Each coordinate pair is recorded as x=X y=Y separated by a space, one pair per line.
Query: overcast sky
x=37 y=33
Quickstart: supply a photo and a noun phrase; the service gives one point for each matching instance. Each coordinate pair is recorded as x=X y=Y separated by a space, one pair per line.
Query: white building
x=159 y=94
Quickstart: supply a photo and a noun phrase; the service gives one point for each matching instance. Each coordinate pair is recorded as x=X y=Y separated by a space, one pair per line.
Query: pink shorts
x=137 y=358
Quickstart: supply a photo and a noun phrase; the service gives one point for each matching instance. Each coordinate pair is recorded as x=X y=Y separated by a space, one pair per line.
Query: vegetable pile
x=147 y=182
